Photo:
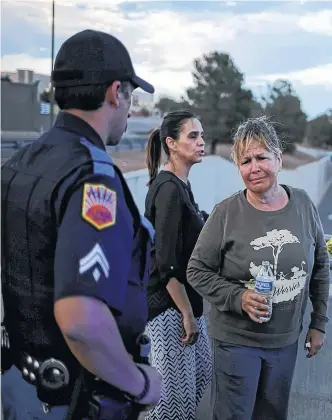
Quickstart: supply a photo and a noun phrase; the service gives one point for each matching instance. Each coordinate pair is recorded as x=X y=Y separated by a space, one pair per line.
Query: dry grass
x=129 y=161
x=297 y=159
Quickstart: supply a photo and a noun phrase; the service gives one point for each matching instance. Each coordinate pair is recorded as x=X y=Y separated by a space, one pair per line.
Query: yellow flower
x=329 y=246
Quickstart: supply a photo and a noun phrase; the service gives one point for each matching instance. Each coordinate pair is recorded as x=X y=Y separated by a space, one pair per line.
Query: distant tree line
x=45 y=95
x=221 y=101
x=5 y=78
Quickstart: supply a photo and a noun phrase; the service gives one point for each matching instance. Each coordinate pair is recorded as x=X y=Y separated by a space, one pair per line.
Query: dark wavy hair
x=171 y=127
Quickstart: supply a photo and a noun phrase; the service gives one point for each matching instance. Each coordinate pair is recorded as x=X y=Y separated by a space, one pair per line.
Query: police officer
x=75 y=249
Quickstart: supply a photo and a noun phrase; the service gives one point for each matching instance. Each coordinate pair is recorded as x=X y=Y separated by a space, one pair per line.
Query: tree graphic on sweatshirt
x=285 y=288
x=275 y=239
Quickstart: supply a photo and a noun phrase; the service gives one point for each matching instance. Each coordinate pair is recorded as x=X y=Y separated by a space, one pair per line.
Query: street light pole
x=51 y=96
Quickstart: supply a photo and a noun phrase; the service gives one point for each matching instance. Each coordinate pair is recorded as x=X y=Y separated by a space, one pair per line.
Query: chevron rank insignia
x=99 y=205
x=95 y=260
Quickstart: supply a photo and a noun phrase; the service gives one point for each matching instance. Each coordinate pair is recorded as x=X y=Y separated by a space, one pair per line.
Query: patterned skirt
x=186 y=370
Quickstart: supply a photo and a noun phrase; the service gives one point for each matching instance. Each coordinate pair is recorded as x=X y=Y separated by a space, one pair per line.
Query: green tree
x=284 y=107
x=320 y=131
x=218 y=97
x=257 y=109
x=6 y=78
x=166 y=104
x=44 y=96
x=145 y=112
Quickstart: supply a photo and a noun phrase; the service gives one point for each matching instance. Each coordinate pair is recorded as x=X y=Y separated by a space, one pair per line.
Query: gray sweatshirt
x=229 y=252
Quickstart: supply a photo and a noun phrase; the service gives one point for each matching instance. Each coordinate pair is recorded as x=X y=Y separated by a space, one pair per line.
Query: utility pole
x=51 y=96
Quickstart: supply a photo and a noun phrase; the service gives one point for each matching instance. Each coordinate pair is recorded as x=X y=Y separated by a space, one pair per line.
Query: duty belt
x=51 y=374
x=55 y=383
x=51 y=378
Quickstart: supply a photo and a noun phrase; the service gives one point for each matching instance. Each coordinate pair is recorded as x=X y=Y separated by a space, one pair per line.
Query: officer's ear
x=112 y=95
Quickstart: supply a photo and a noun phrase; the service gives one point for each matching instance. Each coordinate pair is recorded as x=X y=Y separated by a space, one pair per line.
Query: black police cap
x=93 y=57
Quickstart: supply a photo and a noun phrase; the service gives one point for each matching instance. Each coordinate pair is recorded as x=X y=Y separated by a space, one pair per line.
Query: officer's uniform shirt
x=101 y=246
x=96 y=235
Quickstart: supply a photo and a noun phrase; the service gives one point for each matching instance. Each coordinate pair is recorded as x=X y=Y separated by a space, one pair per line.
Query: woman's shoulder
x=298 y=194
x=162 y=178
x=228 y=204
x=166 y=182
x=164 y=186
x=231 y=200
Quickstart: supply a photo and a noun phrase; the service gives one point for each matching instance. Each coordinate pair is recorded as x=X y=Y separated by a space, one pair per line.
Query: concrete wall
x=19 y=106
x=314 y=152
x=313 y=178
x=215 y=178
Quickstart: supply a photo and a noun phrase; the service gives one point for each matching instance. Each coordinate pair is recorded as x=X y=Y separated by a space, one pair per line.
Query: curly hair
x=259 y=130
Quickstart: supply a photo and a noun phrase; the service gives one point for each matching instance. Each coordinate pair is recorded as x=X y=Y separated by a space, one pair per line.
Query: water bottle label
x=264 y=286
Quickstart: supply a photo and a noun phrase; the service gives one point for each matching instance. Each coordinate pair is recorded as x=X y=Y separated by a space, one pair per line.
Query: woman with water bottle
x=259 y=254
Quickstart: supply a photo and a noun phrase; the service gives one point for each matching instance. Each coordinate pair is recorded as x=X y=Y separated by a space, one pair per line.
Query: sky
x=267 y=40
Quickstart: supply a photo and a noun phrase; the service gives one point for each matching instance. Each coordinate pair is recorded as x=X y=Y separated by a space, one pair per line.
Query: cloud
x=320 y=22
x=164 y=42
x=181 y=79
x=12 y=62
x=316 y=76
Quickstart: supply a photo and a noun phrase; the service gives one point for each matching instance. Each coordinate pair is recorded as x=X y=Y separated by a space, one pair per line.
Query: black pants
x=20 y=402
x=251 y=383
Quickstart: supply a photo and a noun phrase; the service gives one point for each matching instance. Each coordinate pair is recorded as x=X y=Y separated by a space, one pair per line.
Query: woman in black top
x=180 y=347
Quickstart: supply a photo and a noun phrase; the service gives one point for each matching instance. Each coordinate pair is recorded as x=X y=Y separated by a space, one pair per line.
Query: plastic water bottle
x=264 y=285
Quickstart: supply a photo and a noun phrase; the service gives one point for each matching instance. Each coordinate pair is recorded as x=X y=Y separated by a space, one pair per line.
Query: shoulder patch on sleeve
x=99 y=205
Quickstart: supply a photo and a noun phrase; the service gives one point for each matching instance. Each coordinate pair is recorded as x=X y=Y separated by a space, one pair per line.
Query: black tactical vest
x=30 y=221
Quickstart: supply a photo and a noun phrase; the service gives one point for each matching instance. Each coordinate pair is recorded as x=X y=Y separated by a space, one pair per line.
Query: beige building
x=28 y=77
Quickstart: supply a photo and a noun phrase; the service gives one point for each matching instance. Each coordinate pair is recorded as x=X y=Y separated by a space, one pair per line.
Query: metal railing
x=11 y=142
